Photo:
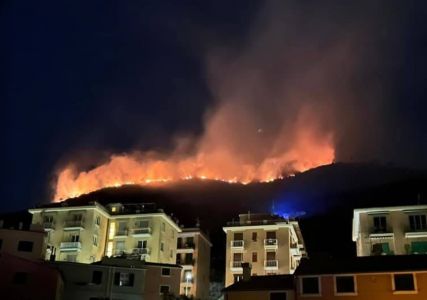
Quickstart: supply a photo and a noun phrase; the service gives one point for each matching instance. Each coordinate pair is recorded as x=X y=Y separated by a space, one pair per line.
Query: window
x=95 y=240
x=238 y=236
x=163 y=227
x=164 y=289
x=278 y=296
x=381 y=249
x=77 y=217
x=380 y=224
x=97 y=277
x=123 y=279
x=254 y=257
x=171 y=254
x=403 y=282
x=254 y=236
x=48 y=219
x=74 y=238
x=187 y=290
x=71 y=258
x=25 y=246
x=345 y=285
x=141 y=244
x=310 y=286
x=237 y=277
x=162 y=246
x=417 y=222
x=98 y=220
x=166 y=272
x=20 y=278
x=271 y=235
x=418 y=247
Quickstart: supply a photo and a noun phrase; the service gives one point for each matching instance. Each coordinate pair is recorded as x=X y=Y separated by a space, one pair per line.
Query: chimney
x=246 y=271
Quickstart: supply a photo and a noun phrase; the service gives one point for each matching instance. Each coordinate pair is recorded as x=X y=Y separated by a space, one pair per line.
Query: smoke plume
x=286 y=97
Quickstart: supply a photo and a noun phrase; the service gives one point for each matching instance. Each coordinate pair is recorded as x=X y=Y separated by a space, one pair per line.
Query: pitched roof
x=261 y=283
x=367 y=264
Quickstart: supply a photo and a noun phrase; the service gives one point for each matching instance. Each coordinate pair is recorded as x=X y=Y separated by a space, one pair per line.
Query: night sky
x=84 y=79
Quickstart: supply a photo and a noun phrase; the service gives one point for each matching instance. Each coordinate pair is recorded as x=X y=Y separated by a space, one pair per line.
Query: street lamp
x=188 y=277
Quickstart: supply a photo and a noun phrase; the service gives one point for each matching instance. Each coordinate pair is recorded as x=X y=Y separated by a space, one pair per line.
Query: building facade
x=193 y=254
x=87 y=233
x=390 y=230
x=29 y=244
x=271 y=244
x=117 y=278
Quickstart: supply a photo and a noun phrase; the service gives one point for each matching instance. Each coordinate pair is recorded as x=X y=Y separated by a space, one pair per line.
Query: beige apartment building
x=193 y=254
x=390 y=230
x=28 y=244
x=86 y=233
x=271 y=244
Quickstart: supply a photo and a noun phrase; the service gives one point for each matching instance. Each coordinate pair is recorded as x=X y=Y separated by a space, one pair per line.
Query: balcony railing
x=411 y=232
x=70 y=246
x=237 y=244
x=74 y=224
x=49 y=225
x=141 y=231
x=270 y=244
x=122 y=232
x=380 y=232
x=187 y=262
x=141 y=251
x=236 y=265
x=186 y=246
x=271 y=264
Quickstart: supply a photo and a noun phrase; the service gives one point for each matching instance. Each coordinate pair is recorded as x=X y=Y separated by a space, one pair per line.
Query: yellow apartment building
x=87 y=233
x=271 y=244
x=390 y=230
x=193 y=254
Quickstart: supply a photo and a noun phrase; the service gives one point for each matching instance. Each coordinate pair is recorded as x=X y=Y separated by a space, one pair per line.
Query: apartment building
x=29 y=244
x=116 y=278
x=390 y=230
x=142 y=231
x=363 y=278
x=271 y=244
x=193 y=254
x=74 y=233
x=88 y=232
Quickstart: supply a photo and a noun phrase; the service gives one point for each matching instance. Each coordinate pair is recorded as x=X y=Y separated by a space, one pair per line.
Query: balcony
x=236 y=266
x=270 y=244
x=381 y=233
x=70 y=246
x=48 y=226
x=141 y=251
x=411 y=232
x=141 y=232
x=271 y=265
x=74 y=225
x=186 y=248
x=237 y=244
x=121 y=233
x=186 y=262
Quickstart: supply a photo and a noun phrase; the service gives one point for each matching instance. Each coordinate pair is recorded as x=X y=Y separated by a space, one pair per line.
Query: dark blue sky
x=89 y=78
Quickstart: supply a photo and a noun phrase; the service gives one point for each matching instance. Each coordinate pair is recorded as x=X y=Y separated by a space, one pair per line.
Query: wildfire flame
x=308 y=150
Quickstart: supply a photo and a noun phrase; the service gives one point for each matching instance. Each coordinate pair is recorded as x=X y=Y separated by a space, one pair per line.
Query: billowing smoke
x=286 y=98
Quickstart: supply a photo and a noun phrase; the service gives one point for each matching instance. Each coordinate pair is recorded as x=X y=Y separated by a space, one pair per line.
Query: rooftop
x=260 y=283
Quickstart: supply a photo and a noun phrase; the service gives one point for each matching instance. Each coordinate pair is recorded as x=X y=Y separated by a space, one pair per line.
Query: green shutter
x=419 y=247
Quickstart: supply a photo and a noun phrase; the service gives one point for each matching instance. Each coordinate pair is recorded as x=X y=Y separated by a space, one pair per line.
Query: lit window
x=166 y=272
x=345 y=285
x=113 y=209
x=25 y=246
x=123 y=279
x=404 y=282
x=310 y=286
x=112 y=230
x=109 y=249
